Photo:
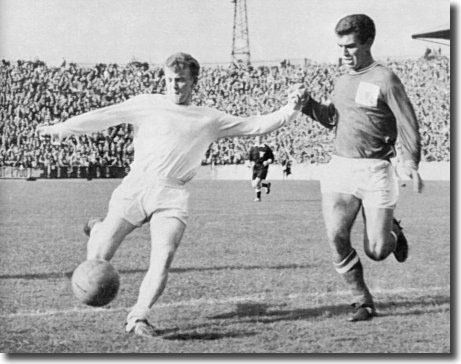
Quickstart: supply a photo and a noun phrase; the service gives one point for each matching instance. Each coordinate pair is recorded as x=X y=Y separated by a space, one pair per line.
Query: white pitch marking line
x=228 y=300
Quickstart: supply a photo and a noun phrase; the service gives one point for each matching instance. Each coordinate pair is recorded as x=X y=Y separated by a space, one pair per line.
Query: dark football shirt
x=370 y=110
x=260 y=154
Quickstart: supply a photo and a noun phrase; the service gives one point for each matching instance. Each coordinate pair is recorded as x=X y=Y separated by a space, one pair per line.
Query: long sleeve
x=324 y=114
x=100 y=119
x=407 y=123
x=230 y=125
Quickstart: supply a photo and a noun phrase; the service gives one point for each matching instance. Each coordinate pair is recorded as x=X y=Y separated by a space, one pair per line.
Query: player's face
x=179 y=85
x=355 y=55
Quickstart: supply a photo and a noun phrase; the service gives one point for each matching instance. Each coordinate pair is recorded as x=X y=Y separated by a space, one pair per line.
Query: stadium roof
x=438 y=34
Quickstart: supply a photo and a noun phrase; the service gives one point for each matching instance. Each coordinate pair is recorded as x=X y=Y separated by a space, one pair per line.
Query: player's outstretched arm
x=325 y=114
x=96 y=120
x=230 y=125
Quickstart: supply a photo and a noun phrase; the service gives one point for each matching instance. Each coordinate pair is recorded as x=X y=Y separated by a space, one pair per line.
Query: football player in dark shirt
x=260 y=156
x=370 y=111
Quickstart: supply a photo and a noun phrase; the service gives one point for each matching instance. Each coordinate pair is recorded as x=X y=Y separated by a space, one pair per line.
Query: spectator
x=33 y=94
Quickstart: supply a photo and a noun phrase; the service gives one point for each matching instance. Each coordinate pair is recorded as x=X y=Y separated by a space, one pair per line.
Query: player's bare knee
x=376 y=256
x=376 y=252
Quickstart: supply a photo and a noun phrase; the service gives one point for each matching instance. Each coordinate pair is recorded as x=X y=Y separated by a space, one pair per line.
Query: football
x=95 y=282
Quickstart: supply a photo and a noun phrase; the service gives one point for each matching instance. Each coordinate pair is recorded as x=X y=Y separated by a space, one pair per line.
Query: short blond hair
x=182 y=60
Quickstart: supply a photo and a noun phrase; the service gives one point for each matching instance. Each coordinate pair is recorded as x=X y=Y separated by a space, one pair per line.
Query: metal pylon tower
x=240 y=37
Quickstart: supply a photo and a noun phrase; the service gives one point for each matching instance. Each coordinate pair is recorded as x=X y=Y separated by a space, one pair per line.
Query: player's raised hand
x=297 y=96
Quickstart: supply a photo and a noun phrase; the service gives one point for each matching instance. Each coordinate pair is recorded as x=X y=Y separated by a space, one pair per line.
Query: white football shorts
x=166 y=198
x=373 y=181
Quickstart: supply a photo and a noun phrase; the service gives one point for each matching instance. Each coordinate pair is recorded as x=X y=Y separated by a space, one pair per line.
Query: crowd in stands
x=33 y=93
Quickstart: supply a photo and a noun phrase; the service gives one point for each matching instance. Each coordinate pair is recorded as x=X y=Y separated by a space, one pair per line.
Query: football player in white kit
x=170 y=139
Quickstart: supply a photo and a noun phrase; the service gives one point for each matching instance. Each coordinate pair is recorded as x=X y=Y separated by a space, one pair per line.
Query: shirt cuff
x=290 y=110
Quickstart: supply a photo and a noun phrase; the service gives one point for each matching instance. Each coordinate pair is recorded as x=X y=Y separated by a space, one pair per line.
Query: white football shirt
x=170 y=140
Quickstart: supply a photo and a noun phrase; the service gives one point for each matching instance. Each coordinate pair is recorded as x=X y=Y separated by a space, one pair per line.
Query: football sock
x=352 y=271
x=258 y=194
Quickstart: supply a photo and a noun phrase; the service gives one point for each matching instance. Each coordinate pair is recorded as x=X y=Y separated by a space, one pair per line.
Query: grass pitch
x=247 y=278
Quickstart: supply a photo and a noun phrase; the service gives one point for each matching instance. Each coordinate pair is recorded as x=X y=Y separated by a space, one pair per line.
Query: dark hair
x=359 y=24
x=183 y=60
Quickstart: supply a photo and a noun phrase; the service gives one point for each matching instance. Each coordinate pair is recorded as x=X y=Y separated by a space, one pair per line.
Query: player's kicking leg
x=166 y=234
x=107 y=235
x=340 y=211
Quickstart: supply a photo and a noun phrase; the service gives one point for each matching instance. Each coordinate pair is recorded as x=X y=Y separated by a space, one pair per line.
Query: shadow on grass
x=257 y=312
x=260 y=313
x=316 y=200
x=210 y=335
x=172 y=270
x=431 y=302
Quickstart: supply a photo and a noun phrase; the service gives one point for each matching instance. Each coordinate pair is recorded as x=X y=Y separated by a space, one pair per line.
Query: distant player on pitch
x=170 y=139
x=260 y=157
x=371 y=112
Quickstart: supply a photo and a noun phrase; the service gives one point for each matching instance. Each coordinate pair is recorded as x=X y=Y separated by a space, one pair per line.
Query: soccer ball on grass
x=95 y=282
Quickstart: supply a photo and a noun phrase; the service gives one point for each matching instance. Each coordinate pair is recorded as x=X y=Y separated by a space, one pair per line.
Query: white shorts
x=166 y=198
x=373 y=181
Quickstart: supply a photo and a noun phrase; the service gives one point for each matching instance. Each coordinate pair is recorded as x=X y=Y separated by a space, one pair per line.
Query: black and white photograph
x=226 y=177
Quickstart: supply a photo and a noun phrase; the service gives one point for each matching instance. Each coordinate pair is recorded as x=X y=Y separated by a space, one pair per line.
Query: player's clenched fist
x=297 y=96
